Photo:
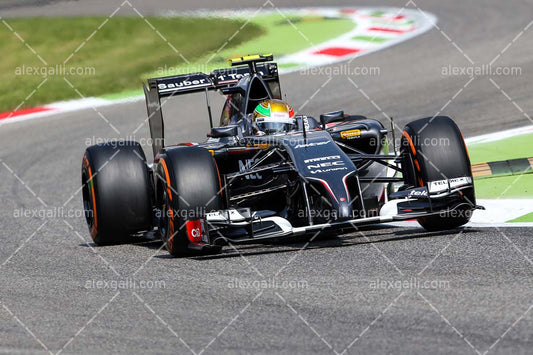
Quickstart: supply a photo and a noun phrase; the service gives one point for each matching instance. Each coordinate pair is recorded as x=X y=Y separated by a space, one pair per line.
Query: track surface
x=483 y=305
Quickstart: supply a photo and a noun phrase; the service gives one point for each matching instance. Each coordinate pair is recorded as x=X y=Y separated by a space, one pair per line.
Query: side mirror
x=225 y=131
x=335 y=116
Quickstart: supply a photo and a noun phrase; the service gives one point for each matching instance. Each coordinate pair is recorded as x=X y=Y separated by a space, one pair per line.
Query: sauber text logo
x=181 y=84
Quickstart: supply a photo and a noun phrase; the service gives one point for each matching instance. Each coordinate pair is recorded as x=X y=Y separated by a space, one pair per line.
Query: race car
x=263 y=174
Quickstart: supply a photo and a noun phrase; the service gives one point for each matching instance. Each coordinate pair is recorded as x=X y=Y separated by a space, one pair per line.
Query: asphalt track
x=49 y=292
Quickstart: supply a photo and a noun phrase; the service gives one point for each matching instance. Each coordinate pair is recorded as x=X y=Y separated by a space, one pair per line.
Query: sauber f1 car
x=327 y=175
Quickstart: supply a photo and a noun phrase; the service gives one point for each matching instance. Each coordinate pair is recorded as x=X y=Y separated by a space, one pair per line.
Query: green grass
x=126 y=50
x=289 y=35
x=514 y=186
x=525 y=218
x=283 y=35
x=510 y=148
x=113 y=60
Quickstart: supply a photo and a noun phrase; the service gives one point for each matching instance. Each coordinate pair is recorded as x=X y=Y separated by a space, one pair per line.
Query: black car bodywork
x=330 y=174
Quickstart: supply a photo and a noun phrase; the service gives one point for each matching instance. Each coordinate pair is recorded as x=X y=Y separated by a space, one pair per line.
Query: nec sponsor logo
x=309 y=145
x=321 y=167
x=182 y=84
x=326 y=164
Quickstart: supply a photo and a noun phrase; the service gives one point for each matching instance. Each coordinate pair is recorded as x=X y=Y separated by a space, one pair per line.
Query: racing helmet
x=273 y=116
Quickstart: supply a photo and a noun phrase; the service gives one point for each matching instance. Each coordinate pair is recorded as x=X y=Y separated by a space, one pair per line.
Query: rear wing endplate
x=169 y=86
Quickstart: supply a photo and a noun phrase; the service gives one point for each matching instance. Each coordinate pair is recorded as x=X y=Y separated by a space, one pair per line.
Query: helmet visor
x=274 y=127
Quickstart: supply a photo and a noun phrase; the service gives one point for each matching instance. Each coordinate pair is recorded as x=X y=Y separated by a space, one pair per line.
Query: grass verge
x=282 y=35
x=110 y=58
x=509 y=148
x=514 y=186
x=525 y=218
x=105 y=56
x=510 y=186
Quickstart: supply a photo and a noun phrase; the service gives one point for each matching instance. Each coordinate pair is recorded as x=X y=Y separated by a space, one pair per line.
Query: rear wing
x=170 y=86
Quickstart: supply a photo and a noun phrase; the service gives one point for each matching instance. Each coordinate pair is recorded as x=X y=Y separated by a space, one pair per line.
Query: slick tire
x=187 y=187
x=116 y=191
x=434 y=149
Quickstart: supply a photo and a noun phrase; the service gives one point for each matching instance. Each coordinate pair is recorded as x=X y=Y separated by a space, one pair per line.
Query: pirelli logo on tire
x=351 y=134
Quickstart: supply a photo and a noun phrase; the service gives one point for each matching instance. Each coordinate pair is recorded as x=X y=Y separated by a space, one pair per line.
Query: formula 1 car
x=332 y=174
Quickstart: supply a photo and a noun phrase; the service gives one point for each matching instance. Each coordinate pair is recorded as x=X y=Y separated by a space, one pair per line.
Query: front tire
x=433 y=149
x=116 y=191
x=187 y=188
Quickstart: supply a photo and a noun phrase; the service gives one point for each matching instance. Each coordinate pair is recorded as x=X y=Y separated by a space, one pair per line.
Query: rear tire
x=116 y=191
x=187 y=187
x=434 y=149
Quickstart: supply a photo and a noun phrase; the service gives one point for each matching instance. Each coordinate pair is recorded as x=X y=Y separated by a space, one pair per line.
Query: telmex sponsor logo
x=438 y=186
x=308 y=145
x=228 y=76
x=418 y=193
x=442 y=185
x=353 y=133
x=465 y=179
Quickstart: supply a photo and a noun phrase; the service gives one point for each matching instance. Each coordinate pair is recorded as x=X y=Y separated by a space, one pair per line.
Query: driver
x=273 y=116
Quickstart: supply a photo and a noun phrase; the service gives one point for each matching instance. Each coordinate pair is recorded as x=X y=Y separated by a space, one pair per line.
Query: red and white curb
x=60 y=107
x=376 y=29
